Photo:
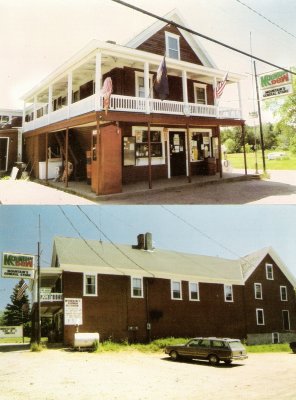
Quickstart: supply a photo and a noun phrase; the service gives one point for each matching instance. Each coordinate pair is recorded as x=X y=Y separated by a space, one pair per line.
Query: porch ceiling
x=48 y=310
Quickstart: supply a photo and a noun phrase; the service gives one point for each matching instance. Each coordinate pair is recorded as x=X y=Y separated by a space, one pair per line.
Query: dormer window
x=172 y=45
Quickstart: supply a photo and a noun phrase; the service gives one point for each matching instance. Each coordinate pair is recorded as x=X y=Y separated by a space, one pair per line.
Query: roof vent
x=111 y=41
x=144 y=242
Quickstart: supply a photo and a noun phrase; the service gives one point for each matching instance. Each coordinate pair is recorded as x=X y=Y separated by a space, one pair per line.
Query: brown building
x=140 y=293
x=134 y=135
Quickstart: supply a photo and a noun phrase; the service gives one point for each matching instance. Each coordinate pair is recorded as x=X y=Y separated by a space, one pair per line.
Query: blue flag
x=161 y=85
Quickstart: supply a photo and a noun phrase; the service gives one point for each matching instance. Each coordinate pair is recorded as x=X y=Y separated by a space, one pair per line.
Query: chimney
x=144 y=242
x=141 y=241
x=148 y=241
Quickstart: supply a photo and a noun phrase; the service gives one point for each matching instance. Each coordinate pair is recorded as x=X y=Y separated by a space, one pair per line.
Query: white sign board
x=11 y=331
x=73 y=311
x=15 y=265
x=275 y=83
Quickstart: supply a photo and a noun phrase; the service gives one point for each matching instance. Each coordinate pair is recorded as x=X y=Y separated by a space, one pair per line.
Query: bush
x=35 y=347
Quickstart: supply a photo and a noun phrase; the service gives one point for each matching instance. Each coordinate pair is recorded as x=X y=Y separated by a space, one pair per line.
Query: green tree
x=18 y=311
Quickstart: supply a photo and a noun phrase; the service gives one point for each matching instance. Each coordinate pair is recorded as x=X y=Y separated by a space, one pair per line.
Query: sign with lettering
x=73 y=311
x=18 y=266
x=276 y=83
x=11 y=331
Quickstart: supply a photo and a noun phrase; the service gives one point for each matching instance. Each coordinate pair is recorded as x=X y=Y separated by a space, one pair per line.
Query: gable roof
x=77 y=255
x=176 y=17
x=250 y=262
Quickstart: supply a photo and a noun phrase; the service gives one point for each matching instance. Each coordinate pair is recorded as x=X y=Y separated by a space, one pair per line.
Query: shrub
x=35 y=347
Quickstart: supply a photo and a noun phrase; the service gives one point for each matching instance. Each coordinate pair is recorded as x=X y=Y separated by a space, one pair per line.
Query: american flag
x=161 y=84
x=220 y=87
x=22 y=288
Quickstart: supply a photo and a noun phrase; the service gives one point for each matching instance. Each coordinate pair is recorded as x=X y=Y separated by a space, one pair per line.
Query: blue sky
x=224 y=231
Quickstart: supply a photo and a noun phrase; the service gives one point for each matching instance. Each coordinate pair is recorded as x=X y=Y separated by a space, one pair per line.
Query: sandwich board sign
x=19 y=266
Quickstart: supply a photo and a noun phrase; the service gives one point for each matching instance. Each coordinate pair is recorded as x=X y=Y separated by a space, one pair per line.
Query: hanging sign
x=73 y=311
x=276 y=83
x=17 y=266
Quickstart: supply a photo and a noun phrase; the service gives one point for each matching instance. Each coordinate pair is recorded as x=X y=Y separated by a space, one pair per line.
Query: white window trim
x=258 y=298
x=84 y=284
x=142 y=288
x=228 y=301
x=138 y=75
x=154 y=160
x=172 y=291
x=287 y=311
x=257 y=312
x=266 y=270
x=177 y=37
x=286 y=299
x=273 y=336
x=203 y=86
x=197 y=284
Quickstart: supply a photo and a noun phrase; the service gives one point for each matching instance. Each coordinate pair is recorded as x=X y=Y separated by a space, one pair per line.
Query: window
x=90 y=285
x=260 y=316
x=286 y=320
x=172 y=45
x=140 y=85
x=275 y=337
x=284 y=293
x=228 y=294
x=269 y=271
x=258 y=291
x=176 y=291
x=193 y=291
x=200 y=93
x=137 y=287
x=200 y=145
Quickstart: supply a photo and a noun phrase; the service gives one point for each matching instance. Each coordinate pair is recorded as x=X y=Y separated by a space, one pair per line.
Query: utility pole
x=260 y=119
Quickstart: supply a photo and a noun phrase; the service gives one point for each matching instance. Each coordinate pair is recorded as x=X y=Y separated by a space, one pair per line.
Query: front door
x=3 y=154
x=177 y=153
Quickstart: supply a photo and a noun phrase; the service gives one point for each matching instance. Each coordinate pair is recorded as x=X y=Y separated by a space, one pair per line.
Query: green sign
x=276 y=78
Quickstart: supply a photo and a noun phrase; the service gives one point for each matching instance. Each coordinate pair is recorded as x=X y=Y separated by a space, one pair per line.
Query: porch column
x=240 y=98
x=149 y=157
x=219 y=147
x=69 y=92
x=244 y=147
x=146 y=87
x=216 y=103
x=98 y=80
x=49 y=102
x=34 y=110
x=188 y=153
x=67 y=158
x=184 y=88
x=46 y=156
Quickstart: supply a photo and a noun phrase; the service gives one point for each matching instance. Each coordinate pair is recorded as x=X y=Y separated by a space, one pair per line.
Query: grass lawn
x=286 y=163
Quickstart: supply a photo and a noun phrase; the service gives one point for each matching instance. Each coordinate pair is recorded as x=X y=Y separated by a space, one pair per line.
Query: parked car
x=209 y=348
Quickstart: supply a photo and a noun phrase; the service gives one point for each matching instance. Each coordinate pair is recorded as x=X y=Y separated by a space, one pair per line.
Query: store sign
x=277 y=83
x=17 y=266
x=11 y=331
x=73 y=311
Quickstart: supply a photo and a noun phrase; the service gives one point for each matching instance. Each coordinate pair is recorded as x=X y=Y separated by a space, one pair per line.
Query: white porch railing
x=134 y=104
x=51 y=297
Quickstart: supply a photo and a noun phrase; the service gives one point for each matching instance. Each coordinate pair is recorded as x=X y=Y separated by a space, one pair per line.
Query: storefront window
x=200 y=146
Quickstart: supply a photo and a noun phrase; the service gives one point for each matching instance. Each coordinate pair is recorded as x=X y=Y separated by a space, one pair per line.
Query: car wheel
x=213 y=359
x=228 y=362
x=174 y=355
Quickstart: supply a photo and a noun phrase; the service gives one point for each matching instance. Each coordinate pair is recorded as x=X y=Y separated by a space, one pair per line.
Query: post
x=219 y=147
x=244 y=147
x=149 y=158
x=67 y=157
x=260 y=120
x=46 y=156
x=188 y=153
x=38 y=295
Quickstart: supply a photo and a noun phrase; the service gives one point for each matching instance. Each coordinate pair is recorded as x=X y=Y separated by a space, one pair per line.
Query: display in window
x=129 y=154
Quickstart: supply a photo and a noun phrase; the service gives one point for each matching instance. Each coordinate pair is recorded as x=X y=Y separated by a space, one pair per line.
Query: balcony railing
x=51 y=297
x=134 y=105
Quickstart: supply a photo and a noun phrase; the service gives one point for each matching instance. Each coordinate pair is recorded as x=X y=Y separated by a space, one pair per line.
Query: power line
x=184 y=28
x=113 y=244
x=267 y=19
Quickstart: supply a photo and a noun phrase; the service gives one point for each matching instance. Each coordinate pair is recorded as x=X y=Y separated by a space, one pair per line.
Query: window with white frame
x=260 y=316
x=140 y=85
x=286 y=320
x=176 y=290
x=90 y=285
x=284 y=293
x=275 y=337
x=193 y=291
x=136 y=287
x=172 y=45
x=228 y=293
x=269 y=271
x=258 y=291
x=200 y=93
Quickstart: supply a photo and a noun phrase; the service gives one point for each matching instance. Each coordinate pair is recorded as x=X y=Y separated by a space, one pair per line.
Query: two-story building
x=10 y=139
x=134 y=135
x=140 y=293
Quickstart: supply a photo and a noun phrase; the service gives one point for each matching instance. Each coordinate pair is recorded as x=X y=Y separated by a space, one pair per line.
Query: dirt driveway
x=62 y=375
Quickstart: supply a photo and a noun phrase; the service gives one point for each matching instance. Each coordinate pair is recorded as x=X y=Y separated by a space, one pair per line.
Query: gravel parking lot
x=61 y=374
